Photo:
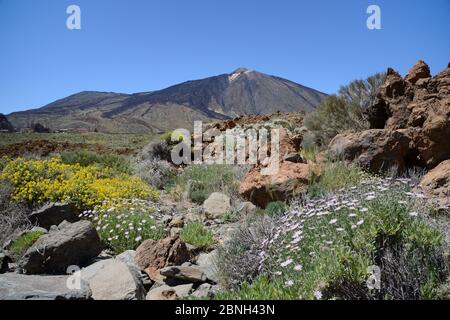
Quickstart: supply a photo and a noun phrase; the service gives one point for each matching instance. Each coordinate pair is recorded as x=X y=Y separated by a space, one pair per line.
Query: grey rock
x=246 y=208
x=166 y=292
x=205 y=290
x=53 y=214
x=206 y=263
x=184 y=273
x=177 y=222
x=23 y=287
x=113 y=280
x=216 y=205
x=75 y=244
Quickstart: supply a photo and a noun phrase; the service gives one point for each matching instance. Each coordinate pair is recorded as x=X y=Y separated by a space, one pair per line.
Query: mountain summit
x=241 y=92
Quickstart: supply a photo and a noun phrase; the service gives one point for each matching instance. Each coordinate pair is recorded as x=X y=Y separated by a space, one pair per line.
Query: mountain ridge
x=219 y=97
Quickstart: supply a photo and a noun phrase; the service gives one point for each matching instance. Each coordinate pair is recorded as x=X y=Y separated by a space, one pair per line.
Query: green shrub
x=345 y=112
x=202 y=180
x=124 y=224
x=334 y=176
x=118 y=164
x=230 y=217
x=327 y=248
x=196 y=234
x=276 y=208
x=25 y=241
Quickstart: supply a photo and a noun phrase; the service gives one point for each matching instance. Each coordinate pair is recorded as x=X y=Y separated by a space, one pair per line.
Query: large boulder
x=5 y=125
x=53 y=214
x=419 y=102
x=24 y=287
x=375 y=150
x=152 y=256
x=216 y=205
x=70 y=244
x=113 y=279
x=290 y=180
x=437 y=183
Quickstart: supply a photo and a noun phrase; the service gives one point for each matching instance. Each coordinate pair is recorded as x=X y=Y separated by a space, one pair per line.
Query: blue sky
x=136 y=45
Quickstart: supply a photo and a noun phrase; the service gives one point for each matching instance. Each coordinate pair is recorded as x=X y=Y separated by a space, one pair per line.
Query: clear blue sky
x=136 y=45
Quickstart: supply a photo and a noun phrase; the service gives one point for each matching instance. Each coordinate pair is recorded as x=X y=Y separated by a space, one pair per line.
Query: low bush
x=330 y=248
x=276 y=208
x=37 y=181
x=84 y=158
x=196 y=234
x=157 y=173
x=25 y=241
x=202 y=180
x=124 y=224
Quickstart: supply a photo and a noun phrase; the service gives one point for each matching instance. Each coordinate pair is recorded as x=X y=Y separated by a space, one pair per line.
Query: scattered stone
x=54 y=214
x=165 y=292
x=216 y=205
x=24 y=287
x=151 y=255
x=174 y=232
x=177 y=222
x=114 y=280
x=75 y=244
x=184 y=273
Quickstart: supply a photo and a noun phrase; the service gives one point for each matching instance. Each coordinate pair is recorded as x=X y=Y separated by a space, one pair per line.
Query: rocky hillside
x=216 y=98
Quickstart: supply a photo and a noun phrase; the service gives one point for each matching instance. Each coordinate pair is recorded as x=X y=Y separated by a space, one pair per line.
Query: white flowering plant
x=123 y=224
x=323 y=248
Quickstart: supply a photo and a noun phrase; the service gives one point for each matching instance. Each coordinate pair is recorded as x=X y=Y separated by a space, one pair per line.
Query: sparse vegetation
x=117 y=163
x=326 y=248
x=157 y=173
x=23 y=242
x=196 y=234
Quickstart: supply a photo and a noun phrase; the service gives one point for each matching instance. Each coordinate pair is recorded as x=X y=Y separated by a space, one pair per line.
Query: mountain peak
x=236 y=73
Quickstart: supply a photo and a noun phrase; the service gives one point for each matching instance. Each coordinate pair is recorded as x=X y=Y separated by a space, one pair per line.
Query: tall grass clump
x=334 y=176
x=23 y=242
x=330 y=248
x=196 y=234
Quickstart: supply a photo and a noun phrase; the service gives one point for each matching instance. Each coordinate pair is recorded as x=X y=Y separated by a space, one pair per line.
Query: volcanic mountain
x=241 y=92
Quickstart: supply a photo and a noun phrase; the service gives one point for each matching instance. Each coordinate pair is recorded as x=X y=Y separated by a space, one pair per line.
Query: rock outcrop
x=437 y=183
x=5 y=125
x=412 y=115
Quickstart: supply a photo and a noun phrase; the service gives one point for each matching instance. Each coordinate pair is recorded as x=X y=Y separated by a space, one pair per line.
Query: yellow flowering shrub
x=38 y=181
